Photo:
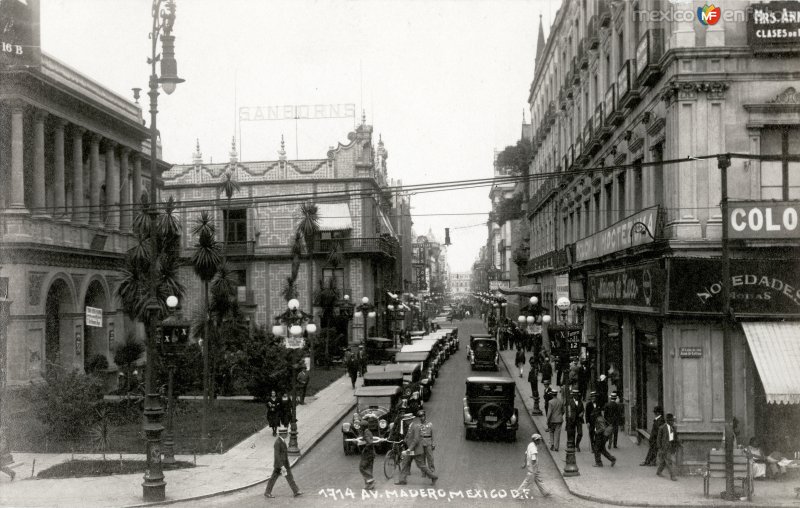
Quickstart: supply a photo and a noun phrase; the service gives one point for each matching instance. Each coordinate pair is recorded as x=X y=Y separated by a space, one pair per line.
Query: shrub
x=126 y=355
x=96 y=364
x=265 y=365
x=65 y=402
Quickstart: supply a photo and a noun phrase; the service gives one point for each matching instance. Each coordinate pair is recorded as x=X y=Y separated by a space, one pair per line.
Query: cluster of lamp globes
x=364 y=301
x=562 y=304
x=294 y=330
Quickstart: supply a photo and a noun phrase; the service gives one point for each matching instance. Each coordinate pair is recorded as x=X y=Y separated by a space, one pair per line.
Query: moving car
x=383 y=402
x=489 y=407
x=483 y=353
x=474 y=336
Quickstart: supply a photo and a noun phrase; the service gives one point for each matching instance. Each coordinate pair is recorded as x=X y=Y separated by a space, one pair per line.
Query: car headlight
x=346 y=427
x=382 y=424
x=513 y=419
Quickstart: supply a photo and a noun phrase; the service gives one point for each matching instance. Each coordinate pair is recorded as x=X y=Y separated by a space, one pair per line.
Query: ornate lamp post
x=531 y=318
x=291 y=325
x=346 y=309
x=154 y=486
x=571 y=466
x=174 y=335
x=365 y=310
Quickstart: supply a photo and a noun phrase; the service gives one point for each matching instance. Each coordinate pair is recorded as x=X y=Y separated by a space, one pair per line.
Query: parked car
x=380 y=350
x=483 y=353
x=412 y=379
x=428 y=360
x=476 y=336
x=394 y=378
x=489 y=407
x=381 y=401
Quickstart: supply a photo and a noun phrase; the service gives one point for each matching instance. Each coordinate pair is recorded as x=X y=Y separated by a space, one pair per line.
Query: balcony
x=547 y=261
x=591 y=133
x=628 y=95
x=592 y=36
x=245 y=248
x=547 y=188
x=54 y=235
x=614 y=117
x=604 y=13
x=583 y=54
x=576 y=71
x=358 y=246
x=648 y=56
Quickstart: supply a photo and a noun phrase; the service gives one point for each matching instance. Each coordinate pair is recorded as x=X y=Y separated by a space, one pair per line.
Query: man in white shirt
x=532 y=464
x=667 y=445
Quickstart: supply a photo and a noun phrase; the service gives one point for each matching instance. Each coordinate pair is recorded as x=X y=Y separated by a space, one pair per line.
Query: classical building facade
x=625 y=217
x=73 y=155
x=355 y=203
x=460 y=285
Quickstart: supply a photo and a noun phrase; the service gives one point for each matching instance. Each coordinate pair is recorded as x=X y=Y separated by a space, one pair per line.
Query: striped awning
x=775 y=347
x=334 y=216
x=386 y=224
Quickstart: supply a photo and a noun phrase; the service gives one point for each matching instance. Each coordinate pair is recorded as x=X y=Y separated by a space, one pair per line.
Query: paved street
x=480 y=471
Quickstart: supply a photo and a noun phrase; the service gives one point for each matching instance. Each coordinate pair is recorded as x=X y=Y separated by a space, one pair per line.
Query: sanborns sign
x=763 y=219
x=617 y=237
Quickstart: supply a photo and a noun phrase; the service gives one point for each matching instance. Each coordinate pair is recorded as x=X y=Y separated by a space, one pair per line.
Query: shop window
x=621 y=198
x=609 y=205
x=779 y=141
x=638 y=188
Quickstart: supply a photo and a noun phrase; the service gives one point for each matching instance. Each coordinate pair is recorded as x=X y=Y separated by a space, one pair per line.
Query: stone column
x=16 y=199
x=59 y=188
x=94 y=182
x=137 y=182
x=79 y=214
x=38 y=165
x=112 y=187
x=125 y=190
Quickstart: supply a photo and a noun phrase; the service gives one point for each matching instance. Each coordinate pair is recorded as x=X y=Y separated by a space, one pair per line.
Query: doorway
x=58 y=305
x=649 y=378
x=94 y=337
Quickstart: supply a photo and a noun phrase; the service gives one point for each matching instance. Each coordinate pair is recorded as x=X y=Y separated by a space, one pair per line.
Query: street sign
x=94 y=317
x=294 y=342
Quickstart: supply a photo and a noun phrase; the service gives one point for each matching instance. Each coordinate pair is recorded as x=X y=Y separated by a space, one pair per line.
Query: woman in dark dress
x=274 y=412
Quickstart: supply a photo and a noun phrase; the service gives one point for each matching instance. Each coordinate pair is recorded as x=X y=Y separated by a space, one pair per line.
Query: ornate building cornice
x=688 y=90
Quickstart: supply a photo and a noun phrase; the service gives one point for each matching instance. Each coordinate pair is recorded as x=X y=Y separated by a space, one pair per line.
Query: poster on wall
x=774 y=27
x=20 y=44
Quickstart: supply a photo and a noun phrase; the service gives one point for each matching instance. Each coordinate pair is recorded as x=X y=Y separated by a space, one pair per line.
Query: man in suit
x=667 y=445
x=578 y=409
x=415 y=450
x=534 y=382
x=281 y=461
x=613 y=414
x=601 y=388
x=589 y=413
x=601 y=432
x=652 y=453
x=555 y=417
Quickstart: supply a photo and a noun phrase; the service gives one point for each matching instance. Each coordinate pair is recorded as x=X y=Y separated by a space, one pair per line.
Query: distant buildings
x=460 y=284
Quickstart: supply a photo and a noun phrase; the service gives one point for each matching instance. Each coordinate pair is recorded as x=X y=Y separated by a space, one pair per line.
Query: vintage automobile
x=381 y=401
x=477 y=336
x=489 y=407
x=483 y=353
x=393 y=377
x=380 y=350
x=431 y=345
x=428 y=360
x=452 y=335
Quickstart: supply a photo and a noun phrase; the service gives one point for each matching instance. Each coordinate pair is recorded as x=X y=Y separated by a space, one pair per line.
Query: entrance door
x=649 y=384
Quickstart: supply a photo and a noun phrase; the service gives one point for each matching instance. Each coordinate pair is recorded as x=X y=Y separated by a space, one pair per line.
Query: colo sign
x=763 y=219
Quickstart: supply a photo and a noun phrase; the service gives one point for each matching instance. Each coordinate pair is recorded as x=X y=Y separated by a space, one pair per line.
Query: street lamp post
x=571 y=465
x=154 y=486
x=291 y=325
x=365 y=310
x=531 y=314
x=174 y=334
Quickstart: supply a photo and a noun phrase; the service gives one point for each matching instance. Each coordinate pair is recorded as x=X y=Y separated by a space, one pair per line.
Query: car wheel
x=390 y=464
x=492 y=409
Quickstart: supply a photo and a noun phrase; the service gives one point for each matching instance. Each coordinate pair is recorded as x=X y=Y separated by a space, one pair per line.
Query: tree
x=326 y=297
x=228 y=186
x=516 y=157
x=65 y=403
x=205 y=261
x=307 y=228
x=126 y=355
x=264 y=364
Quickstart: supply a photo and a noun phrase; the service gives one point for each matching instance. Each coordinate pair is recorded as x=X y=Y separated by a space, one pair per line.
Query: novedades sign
x=763 y=220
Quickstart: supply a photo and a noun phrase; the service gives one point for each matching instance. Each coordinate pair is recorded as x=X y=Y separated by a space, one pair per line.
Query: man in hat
x=534 y=382
x=652 y=453
x=667 y=445
x=302 y=384
x=602 y=430
x=362 y=360
x=589 y=414
x=578 y=411
x=351 y=362
x=613 y=414
x=281 y=461
x=426 y=431
x=555 y=417
x=415 y=451
x=532 y=465
x=368 y=440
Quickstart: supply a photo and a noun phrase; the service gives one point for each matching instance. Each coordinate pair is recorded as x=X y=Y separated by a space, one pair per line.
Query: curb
x=314 y=442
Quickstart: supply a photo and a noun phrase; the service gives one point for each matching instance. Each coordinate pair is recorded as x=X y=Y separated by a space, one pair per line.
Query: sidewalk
x=630 y=484
x=246 y=464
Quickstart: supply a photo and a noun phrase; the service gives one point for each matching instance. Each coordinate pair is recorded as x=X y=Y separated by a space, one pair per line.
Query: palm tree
x=228 y=185
x=206 y=261
x=304 y=234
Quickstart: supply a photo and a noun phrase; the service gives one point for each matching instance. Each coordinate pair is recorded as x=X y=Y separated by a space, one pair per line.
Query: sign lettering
x=691 y=352
x=618 y=236
x=94 y=317
x=296 y=112
x=774 y=26
x=638 y=286
x=19 y=33
x=763 y=220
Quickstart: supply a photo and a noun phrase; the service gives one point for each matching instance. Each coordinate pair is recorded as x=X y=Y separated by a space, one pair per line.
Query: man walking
x=667 y=445
x=589 y=413
x=362 y=360
x=577 y=407
x=555 y=417
x=601 y=432
x=428 y=445
x=534 y=382
x=652 y=453
x=613 y=414
x=351 y=361
x=302 y=384
x=519 y=360
x=415 y=451
x=281 y=461
x=532 y=465
x=368 y=441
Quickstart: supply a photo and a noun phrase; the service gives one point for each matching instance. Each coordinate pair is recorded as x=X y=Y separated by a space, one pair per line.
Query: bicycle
x=393 y=459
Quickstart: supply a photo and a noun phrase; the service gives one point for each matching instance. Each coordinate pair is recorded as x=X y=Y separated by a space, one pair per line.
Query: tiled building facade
x=355 y=204
x=622 y=87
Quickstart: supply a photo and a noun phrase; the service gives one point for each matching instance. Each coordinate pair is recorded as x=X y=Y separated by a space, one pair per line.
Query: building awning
x=386 y=224
x=775 y=347
x=334 y=216
x=529 y=290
